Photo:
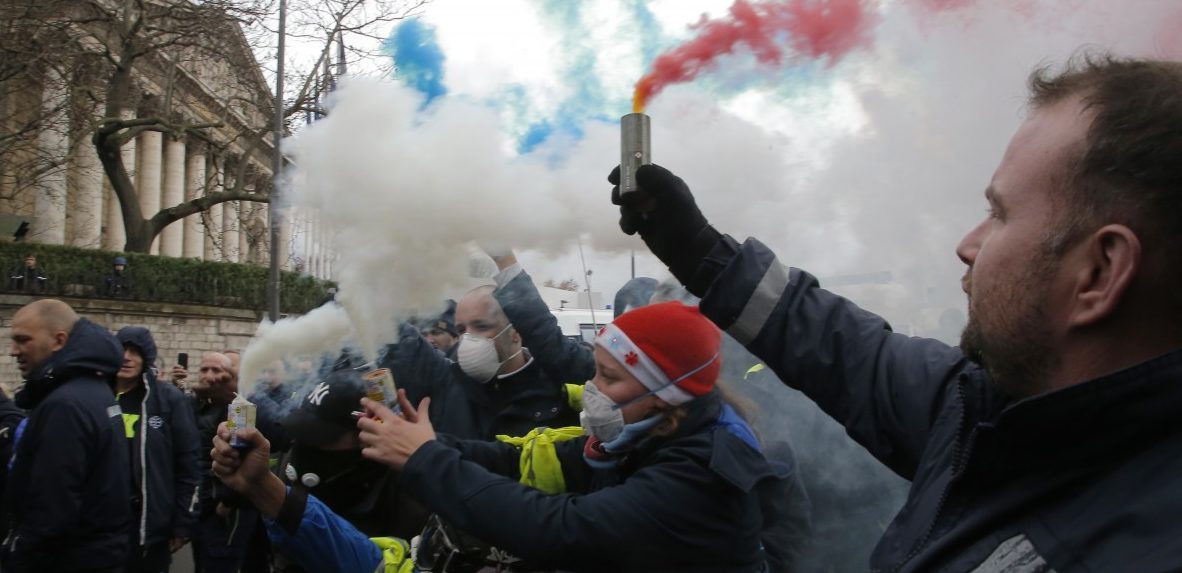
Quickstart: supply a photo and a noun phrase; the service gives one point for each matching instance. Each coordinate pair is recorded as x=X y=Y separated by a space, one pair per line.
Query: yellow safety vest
x=396 y=556
x=574 y=397
x=539 y=463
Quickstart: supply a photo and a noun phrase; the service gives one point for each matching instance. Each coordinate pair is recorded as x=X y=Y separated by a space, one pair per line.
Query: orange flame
x=644 y=89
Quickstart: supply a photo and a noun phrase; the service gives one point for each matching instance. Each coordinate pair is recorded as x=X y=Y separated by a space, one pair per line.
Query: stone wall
x=176 y=327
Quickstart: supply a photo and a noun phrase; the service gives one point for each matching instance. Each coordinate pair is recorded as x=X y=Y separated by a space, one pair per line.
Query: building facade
x=51 y=176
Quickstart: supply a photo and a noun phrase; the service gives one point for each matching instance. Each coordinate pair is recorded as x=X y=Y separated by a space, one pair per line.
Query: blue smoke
x=418 y=60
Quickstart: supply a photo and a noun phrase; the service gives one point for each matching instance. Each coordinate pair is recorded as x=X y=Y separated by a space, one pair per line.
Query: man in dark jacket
x=118 y=284
x=162 y=436
x=440 y=331
x=29 y=278
x=1050 y=441
x=223 y=534
x=11 y=419
x=66 y=499
x=325 y=460
x=495 y=386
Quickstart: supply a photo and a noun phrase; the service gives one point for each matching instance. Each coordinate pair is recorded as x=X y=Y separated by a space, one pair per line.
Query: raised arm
x=563 y=358
x=885 y=388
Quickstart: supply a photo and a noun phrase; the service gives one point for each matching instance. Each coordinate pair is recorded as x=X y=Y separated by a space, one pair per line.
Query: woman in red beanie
x=661 y=477
x=664 y=480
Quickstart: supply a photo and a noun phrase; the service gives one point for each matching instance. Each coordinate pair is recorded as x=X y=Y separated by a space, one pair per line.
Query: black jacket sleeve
x=564 y=359
x=885 y=388
x=416 y=366
x=564 y=529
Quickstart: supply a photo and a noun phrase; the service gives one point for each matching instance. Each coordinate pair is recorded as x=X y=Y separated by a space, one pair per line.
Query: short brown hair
x=1128 y=168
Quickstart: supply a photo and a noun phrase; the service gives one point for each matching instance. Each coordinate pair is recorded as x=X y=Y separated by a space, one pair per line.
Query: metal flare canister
x=379 y=386
x=635 y=149
x=241 y=414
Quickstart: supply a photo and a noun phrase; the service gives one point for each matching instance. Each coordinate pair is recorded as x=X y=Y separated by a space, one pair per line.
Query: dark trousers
x=154 y=558
x=223 y=545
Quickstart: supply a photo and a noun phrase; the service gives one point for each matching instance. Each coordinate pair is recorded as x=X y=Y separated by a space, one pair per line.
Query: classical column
x=172 y=237
x=148 y=181
x=230 y=232
x=213 y=217
x=116 y=235
x=194 y=232
x=86 y=213
x=53 y=143
x=246 y=212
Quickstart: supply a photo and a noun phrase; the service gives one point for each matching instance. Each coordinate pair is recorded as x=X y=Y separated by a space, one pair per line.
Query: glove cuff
x=686 y=262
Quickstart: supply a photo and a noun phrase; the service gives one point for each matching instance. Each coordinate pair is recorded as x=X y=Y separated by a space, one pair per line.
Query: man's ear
x=59 y=340
x=1109 y=262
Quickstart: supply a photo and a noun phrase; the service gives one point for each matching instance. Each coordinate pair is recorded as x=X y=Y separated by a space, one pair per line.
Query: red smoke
x=811 y=28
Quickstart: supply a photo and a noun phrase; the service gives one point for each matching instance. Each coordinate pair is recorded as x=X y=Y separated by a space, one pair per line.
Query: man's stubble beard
x=1014 y=348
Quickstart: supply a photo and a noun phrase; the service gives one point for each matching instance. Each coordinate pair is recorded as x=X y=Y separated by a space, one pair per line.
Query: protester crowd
x=1048 y=440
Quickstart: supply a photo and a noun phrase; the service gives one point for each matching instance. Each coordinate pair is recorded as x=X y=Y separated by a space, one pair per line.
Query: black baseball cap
x=326 y=412
x=445 y=322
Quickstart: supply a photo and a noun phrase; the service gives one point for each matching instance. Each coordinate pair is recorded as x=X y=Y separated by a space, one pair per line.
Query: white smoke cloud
x=324 y=329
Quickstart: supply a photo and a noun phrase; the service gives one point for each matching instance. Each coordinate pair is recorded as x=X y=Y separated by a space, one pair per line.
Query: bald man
x=494 y=387
x=68 y=490
x=222 y=540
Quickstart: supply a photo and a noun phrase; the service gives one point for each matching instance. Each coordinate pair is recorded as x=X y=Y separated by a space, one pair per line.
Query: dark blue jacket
x=1081 y=479
x=67 y=494
x=786 y=504
x=11 y=418
x=682 y=503
x=167 y=443
x=468 y=409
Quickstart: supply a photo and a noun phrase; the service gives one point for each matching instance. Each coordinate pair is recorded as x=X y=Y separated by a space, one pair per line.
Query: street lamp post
x=273 y=277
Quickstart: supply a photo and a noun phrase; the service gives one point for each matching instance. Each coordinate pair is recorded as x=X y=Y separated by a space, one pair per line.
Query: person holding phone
x=180 y=374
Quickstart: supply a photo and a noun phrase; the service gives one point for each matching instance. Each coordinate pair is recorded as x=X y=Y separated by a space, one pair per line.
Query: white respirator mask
x=477 y=355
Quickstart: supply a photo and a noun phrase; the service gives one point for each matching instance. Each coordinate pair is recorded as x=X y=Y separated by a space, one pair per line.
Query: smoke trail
x=321 y=330
x=812 y=29
x=418 y=58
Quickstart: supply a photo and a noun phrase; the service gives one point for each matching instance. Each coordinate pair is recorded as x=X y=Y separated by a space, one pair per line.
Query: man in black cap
x=325 y=461
x=441 y=331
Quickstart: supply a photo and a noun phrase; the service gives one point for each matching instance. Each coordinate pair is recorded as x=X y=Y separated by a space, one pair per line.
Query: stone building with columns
x=52 y=179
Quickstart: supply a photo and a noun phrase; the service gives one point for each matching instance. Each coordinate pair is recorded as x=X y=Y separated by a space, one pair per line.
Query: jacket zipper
x=144 y=463
x=959 y=455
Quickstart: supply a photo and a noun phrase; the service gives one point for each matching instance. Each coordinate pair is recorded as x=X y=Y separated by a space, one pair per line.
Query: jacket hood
x=140 y=338
x=89 y=351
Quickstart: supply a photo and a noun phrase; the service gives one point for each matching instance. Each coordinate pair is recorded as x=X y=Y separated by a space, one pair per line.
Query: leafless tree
x=171 y=42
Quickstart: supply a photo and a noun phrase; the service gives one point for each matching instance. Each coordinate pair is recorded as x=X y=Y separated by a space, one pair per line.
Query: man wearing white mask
x=493 y=388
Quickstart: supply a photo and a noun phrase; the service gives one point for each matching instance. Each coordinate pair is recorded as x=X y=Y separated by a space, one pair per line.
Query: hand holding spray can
x=379 y=387
x=241 y=414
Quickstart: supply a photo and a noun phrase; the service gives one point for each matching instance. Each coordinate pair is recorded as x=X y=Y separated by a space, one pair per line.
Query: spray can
x=635 y=149
x=241 y=414
x=379 y=384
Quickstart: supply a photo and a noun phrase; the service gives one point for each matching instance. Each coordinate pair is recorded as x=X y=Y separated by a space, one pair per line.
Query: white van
x=578 y=323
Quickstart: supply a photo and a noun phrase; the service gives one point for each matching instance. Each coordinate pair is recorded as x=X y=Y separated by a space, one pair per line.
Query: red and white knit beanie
x=670 y=347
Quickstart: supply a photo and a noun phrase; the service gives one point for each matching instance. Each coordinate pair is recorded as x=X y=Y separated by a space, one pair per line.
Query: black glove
x=663 y=211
